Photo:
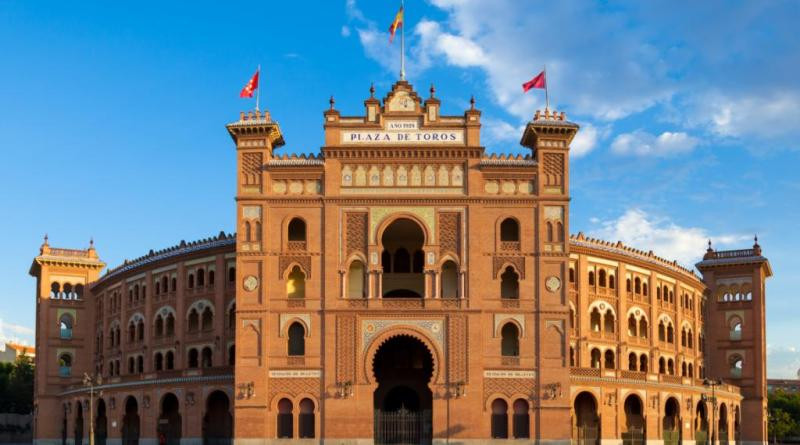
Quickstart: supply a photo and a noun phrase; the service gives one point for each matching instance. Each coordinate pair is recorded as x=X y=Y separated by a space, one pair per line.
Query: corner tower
x=549 y=135
x=64 y=329
x=736 y=345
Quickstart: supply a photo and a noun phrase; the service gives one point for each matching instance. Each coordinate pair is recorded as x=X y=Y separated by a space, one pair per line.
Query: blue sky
x=112 y=117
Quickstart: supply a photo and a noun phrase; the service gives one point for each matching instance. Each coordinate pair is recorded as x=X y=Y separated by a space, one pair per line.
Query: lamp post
x=713 y=383
x=91 y=382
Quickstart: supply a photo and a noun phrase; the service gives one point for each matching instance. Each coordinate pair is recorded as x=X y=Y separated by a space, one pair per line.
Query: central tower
x=401 y=275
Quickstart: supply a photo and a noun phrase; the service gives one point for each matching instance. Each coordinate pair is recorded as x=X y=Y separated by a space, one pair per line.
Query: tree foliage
x=16 y=386
x=784 y=415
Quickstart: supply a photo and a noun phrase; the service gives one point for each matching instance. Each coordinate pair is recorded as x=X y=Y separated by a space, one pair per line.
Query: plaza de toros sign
x=403 y=132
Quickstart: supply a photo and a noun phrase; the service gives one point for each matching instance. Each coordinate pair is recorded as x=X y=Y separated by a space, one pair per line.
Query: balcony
x=296 y=246
x=510 y=245
x=64 y=371
x=509 y=361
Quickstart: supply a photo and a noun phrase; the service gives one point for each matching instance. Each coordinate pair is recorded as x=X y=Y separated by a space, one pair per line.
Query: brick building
x=401 y=286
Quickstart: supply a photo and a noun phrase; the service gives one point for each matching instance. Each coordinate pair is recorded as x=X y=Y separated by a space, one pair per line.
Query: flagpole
x=258 y=89
x=403 y=43
x=546 y=91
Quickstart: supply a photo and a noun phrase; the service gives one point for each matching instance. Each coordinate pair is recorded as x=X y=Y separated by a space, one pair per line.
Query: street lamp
x=712 y=383
x=91 y=382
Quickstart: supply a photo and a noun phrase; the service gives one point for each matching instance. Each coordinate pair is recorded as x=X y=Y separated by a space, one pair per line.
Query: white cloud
x=666 y=239
x=15 y=332
x=586 y=139
x=641 y=143
x=500 y=131
x=773 y=114
x=784 y=362
x=345 y=31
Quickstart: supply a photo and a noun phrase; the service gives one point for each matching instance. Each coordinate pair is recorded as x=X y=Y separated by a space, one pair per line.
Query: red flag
x=251 y=86
x=537 y=82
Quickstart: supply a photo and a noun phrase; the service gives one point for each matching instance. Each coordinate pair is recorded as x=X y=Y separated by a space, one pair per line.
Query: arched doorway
x=79 y=423
x=586 y=430
x=634 y=421
x=722 y=428
x=217 y=421
x=403 y=260
x=671 y=423
x=101 y=424
x=403 y=366
x=169 y=422
x=130 y=422
x=701 y=425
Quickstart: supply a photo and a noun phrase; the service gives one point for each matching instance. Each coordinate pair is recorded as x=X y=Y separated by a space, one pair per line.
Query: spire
x=332 y=102
x=372 y=90
x=433 y=91
x=45 y=240
x=472 y=102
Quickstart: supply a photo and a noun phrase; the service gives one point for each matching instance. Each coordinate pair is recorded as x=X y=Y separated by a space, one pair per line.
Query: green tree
x=784 y=415
x=21 y=385
x=781 y=424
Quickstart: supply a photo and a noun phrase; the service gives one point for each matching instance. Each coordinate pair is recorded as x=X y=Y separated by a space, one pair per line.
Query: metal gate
x=633 y=437
x=586 y=435
x=672 y=437
x=403 y=427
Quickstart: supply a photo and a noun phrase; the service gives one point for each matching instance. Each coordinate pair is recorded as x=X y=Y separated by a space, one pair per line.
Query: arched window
x=131 y=332
x=571 y=318
x=194 y=320
x=571 y=274
x=418 y=261
x=164 y=283
x=140 y=364
x=683 y=369
x=207 y=319
x=210 y=277
x=248 y=234
x=206 y=358
x=691 y=370
x=632 y=326
x=643 y=361
x=609 y=322
x=193 y=358
x=402 y=261
x=305 y=421
x=522 y=428
x=232 y=355
x=609 y=359
x=297 y=340
x=670 y=367
x=159 y=326
x=174 y=284
x=285 y=419
x=549 y=231
x=670 y=333
x=560 y=231
x=140 y=330
x=735 y=328
x=131 y=365
x=296 y=284
x=449 y=280
x=68 y=291
x=736 y=364
x=159 y=361
x=601 y=278
x=591 y=278
x=190 y=283
x=79 y=291
x=596 y=358
x=65 y=324
x=170 y=325
x=611 y=284
x=509 y=283
x=297 y=230
x=386 y=261
x=594 y=320
x=257 y=230
x=231 y=274
x=201 y=277
x=633 y=360
x=499 y=419
x=683 y=337
x=644 y=288
x=637 y=286
x=158 y=287
x=509 y=230
x=55 y=290
x=509 y=345
x=571 y=356
x=662 y=333
x=643 y=328
x=662 y=368
x=170 y=360
x=64 y=365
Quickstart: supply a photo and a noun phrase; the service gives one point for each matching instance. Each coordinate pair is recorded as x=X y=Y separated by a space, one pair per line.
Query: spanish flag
x=398 y=22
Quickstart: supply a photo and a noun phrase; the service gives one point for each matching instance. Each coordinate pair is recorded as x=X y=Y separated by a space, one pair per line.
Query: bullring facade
x=401 y=286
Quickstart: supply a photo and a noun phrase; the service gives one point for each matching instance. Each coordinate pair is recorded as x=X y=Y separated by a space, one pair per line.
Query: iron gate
x=633 y=437
x=403 y=427
x=586 y=435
